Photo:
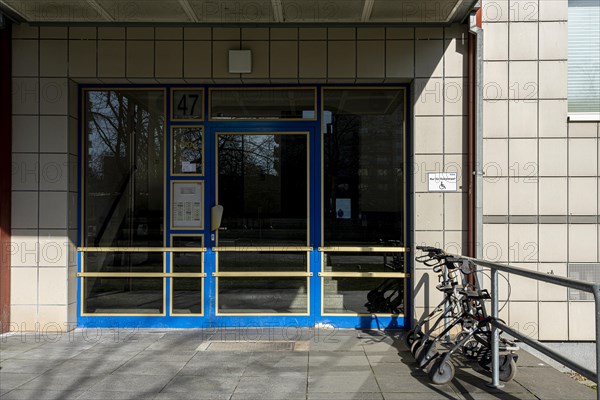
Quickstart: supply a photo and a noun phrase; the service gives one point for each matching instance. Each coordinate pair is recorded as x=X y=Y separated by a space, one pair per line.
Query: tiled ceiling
x=239 y=11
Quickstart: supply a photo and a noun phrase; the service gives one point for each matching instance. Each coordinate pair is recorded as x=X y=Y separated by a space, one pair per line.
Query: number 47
x=182 y=106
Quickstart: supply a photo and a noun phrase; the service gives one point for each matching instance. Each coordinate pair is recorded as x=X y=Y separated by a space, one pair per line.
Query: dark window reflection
x=263 y=295
x=263 y=189
x=364 y=262
x=124 y=168
x=124 y=262
x=124 y=295
x=187 y=292
x=345 y=295
x=187 y=262
x=263 y=104
x=262 y=261
x=364 y=167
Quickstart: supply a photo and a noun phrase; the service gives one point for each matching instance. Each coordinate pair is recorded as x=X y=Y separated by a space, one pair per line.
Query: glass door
x=262 y=244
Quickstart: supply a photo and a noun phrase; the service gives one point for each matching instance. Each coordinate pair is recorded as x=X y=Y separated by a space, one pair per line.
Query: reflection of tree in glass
x=124 y=166
x=187 y=146
x=248 y=154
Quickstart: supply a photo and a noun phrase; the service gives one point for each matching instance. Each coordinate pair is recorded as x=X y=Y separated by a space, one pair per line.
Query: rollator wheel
x=411 y=336
x=508 y=368
x=424 y=357
x=471 y=349
x=441 y=372
x=415 y=346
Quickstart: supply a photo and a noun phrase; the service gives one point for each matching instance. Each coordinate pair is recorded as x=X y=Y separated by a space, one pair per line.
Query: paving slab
x=131 y=383
x=322 y=364
x=206 y=385
x=342 y=381
x=24 y=394
x=50 y=381
x=10 y=381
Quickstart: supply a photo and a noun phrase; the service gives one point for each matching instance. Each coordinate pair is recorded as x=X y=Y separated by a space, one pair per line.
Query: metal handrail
x=498 y=325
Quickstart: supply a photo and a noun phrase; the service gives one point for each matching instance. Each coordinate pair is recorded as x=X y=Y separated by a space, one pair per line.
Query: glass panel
x=187 y=104
x=262 y=261
x=364 y=262
x=123 y=262
x=263 y=189
x=187 y=295
x=364 y=167
x=187 y=151
x=263 y=295
x=262 y=104
x=124 y=295
x=124 y=168
x=187 y=262
x=363 y=295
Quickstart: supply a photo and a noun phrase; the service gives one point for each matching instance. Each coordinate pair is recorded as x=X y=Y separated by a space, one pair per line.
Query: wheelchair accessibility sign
x=442 y=181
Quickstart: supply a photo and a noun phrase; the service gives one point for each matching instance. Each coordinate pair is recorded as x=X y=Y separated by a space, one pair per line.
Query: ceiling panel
x=145 y=10
x=55 y=11
x=411 y=11
x=241 y=11
x=233 y=11
x=322 y=11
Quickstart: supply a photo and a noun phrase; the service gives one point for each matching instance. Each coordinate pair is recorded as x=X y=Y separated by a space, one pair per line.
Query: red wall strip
x=5 y=173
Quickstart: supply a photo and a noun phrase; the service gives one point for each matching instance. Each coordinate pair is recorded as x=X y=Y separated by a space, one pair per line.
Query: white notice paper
x=187 y=166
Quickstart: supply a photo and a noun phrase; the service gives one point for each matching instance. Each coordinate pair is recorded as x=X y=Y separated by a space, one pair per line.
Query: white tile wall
x=319 y=54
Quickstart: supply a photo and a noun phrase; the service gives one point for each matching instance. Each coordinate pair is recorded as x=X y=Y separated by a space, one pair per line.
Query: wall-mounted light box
x=240 y=61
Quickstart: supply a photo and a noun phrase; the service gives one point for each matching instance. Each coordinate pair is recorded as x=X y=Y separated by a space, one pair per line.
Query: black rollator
x=459 y=323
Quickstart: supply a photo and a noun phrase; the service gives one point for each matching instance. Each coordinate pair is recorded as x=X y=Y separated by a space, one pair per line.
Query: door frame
x=314 y=176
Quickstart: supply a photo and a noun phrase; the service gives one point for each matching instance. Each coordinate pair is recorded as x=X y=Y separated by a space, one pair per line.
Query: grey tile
x=104 y=354
x=549 y=384
x=150 y=367
x=409 y=383
x=117 y=395
x=93 y=367
x=346 y=381
x=23 y=394
x=207 y=384
x=37 y=366
x=157 y=356
x=335 y=359
x=268 y=396
x=345 y=396
x=431 y=395
x=51 y=381
x=193 y=396
x=217 y=364
x=9 y=381
x=469 y=381
x=131 y=383
x=285 y=384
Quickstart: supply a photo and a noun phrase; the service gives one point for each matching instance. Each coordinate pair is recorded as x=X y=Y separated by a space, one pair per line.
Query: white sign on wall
x=442 y=181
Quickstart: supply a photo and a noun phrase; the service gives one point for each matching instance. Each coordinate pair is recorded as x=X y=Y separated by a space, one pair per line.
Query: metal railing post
x=495 y=335
x=597 y=299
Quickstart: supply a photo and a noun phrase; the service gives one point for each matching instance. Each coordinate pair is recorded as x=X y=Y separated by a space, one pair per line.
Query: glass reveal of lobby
x=225 y=206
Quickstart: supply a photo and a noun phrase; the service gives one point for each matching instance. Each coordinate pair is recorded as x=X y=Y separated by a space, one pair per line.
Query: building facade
x=161 y=177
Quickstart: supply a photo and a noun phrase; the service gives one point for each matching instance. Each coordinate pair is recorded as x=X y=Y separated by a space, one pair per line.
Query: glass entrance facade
x=243 y=206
